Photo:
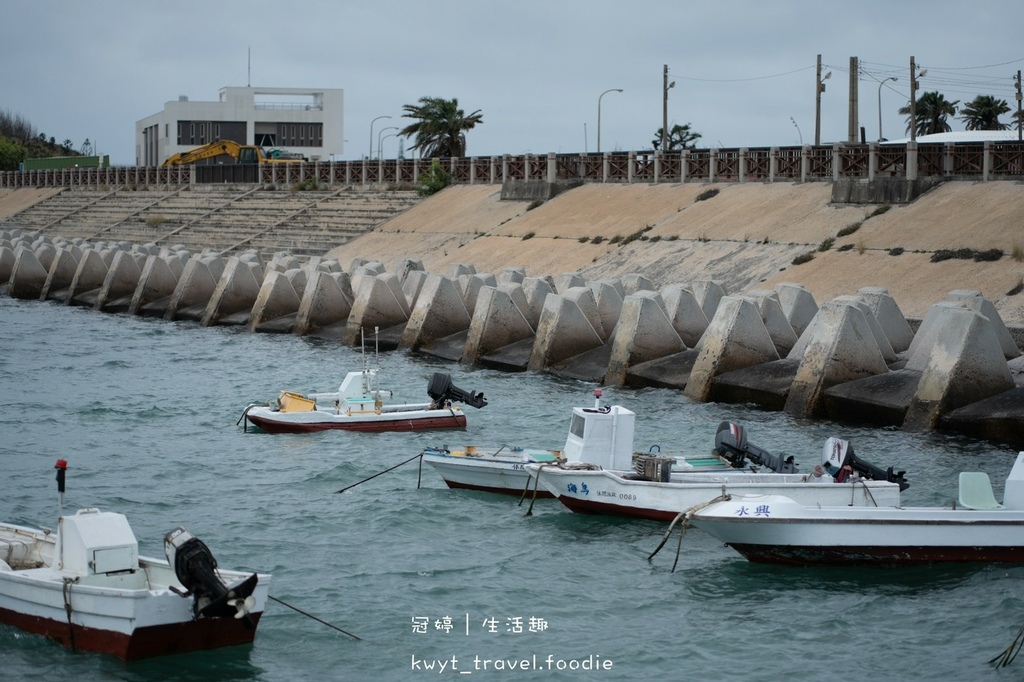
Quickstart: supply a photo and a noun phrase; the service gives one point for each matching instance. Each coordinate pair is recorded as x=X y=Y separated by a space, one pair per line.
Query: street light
x=371 y=134
x=797 y=130
x=380 y=148
x=382 y=131
x=599 y=115
x=820 y=88
x=914 y=85
x=890 y=78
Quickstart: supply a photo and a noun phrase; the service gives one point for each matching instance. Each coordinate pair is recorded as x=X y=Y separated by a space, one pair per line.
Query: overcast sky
x=744 y=69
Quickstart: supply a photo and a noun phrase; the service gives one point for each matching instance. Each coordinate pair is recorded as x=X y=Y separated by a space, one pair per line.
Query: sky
x=744 y=70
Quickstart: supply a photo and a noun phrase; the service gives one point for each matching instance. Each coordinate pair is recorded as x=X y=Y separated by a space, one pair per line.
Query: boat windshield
x=577 y=425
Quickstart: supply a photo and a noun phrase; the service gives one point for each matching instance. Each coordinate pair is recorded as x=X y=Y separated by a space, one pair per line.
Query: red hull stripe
x=594 y=507
x=503 y=491
x=446 y=422
x=881 y=556
x=160 y=640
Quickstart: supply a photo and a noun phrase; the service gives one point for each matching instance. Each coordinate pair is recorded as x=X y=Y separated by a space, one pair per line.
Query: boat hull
x=322 y=420
x=770 y=529
x=611 y=493
x=489 y=470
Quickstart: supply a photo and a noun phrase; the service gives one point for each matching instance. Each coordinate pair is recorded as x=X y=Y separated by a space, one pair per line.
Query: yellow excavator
x=241 y=153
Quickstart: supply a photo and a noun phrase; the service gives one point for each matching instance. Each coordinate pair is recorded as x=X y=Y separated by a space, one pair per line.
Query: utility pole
x=852 y=132
x=1020 y=119
x=819 y=87
x=664 y=108
x=913 y=100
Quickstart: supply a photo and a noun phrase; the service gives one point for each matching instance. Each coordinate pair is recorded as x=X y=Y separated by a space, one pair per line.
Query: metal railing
x=971 y=161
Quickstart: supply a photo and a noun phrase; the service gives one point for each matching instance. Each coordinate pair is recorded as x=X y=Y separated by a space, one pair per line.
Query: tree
x=440 y=130
x=932 y=111
x=679 y=138
x=67 y=144
x=86 y=148
x=11 y=154
x=434 y=180
x=983 y=112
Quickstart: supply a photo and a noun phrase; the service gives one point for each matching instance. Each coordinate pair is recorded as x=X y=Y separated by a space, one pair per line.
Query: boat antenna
x=61 y=466
x=376 y=354
x=366 y=369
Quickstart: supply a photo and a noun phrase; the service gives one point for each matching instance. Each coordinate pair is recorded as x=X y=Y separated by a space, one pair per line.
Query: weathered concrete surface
x=160 y=276
x=326 y=301
x=686 y=314
x=411 y=285
x=999 y=418
x=89 y=277
x=775 y=320
x=644 y=333
x=277 y=302
x=439 y=312
x=584 y=298
x=121 y=282
x=28 y=276
x=379 y=302
x=798 y=305
x=841 y=348
x=608 y=297
x=709 y=294
x=735 y=338
x=672 y=371
x=62 y=272
x=498 y=322
x=195 y=288
x=6 y=263
x=470 y=286
x=884 y=347
x=890 y=318
x=966 y=365
x=975 y=301
x=563 y=332
x=236 y=292
x=536 y=290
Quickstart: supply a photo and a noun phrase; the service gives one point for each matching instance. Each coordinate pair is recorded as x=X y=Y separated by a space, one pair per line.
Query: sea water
x=446 y=584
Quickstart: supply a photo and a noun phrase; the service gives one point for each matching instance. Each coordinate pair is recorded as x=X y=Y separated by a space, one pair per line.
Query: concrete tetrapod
x=644 y=333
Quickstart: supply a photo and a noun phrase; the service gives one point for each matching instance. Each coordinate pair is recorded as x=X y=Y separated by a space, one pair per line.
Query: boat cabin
x=94 y=543
x=602 y=436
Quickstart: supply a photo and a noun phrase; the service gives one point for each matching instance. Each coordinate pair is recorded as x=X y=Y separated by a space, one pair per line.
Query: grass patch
x=826 y=244
x=845 y=247
x=849 y=229
x=155 y=220
x=616 y=239
x=880 y=210
x=639 y=234
x=656 y=238
x=597 y=240
x=528 y=235
x=861 y=248
x=804 y=258
x=583 y=240
x=896 y=250
x=672 y=238
x=966 y=254
x=1017 y=253
x=707 y=194
x=534 y=204
x=1017 y=289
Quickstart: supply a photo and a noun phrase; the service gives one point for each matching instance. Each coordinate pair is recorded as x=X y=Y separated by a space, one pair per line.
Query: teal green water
x=145 y=412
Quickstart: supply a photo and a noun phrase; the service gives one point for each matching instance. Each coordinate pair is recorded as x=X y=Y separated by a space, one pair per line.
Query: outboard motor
x=731 y=442
x=195 y=567
x=838 y=453
x=441 y=390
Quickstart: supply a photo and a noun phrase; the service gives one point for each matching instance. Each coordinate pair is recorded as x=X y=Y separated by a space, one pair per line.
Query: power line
x=741 y=80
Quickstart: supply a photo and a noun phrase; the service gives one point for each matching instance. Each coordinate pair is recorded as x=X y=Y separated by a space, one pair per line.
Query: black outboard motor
x=195 y=567
x=838 y=453
x=731 y=442
x=441 y=390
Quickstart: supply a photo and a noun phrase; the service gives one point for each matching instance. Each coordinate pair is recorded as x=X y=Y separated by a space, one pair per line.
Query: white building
x=309 y=122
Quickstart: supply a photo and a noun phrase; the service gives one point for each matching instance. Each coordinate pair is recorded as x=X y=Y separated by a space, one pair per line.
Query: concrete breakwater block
x=564 y=331
x=609 y=303
x=470 y=286
x=498 y=322
x=92 y=271
x=278 y=298
x=28 y=276
x=568 y=280
x=439 y=312
x=975 y=301
x=999 y=418
x=644 y=333
x=195 y=288
x=587 y=302
x=735 y=338
x=775 y=320
x=798 y=305
x=326 y=301
x=840 y=348
x=686 y=314
x=6 y=263
x=633 y=283
x=121 y=282
x=159 y=277
x=536 y=290
x=379 y=302
x=966 y=365
x=62 y=272
x=235 y=293
x=889 y=316
x=513 y=275
x=709 y=294
x=884 y=347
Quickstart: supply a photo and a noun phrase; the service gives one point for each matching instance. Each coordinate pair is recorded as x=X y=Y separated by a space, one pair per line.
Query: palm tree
x=679 y=137
x=440 y=130
x=932 y=112
x=983 y=113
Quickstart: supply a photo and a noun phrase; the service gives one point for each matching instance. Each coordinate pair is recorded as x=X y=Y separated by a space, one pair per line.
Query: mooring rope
x=67 y=609
x=420 y=454
x=319 y=620
x=1009 y=653
x=685 y=516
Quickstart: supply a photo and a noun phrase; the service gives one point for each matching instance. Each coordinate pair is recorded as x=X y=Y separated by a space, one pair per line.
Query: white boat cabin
x=602 y=436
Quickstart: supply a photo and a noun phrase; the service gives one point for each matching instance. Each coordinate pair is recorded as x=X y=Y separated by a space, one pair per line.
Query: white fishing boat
x=87 y=587
x=973 y=528
x=358 y=405
x=598 y=436
x=589 y=489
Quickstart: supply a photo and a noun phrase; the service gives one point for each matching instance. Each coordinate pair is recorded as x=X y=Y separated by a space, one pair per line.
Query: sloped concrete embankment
x=854 y=357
